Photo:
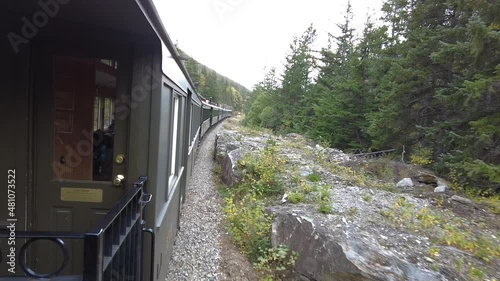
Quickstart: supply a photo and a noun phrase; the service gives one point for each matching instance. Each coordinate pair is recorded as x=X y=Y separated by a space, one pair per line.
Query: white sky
x=240 y=39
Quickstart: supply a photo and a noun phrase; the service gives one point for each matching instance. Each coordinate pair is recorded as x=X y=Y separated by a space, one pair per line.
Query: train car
x=102 y=125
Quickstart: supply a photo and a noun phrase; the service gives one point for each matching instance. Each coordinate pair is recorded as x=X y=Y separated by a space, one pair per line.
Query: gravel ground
x=197 y=251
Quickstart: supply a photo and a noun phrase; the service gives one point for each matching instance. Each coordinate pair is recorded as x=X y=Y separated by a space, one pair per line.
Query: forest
x=423 y=79
x=214 y=86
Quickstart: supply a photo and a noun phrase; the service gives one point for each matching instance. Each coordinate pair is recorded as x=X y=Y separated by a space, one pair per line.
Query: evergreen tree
x=428 y=79
x=296 y=82
x=341 y=108
x=261 y=106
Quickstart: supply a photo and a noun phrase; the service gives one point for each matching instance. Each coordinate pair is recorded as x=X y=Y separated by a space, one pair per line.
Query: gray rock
x=427 y=179
x=224 y=143
x=319 y=148
x=441 y=188
x=336 y=155
x=462 y=200
x=305 y=171
x=219 y=153
x=230 y=174
x=232 y=146
x=338 y=253
x=405 y=183
x=293 y=136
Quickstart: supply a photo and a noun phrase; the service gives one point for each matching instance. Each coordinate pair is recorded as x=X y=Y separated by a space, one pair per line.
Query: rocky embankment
x=401 y=227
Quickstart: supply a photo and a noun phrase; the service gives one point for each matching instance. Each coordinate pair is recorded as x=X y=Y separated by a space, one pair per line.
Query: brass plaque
x=74 y=194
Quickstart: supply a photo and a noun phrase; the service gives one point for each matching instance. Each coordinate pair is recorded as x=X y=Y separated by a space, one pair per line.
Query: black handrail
x=45 y=234
x=115 y=245
x=112 y=249
x=374 y=154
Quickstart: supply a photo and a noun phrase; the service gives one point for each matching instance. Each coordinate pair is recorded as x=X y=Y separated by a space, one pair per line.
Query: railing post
x=92 y=257
x=152 y=254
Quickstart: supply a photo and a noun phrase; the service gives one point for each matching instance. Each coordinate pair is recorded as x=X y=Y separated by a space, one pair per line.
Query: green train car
x=101 y=126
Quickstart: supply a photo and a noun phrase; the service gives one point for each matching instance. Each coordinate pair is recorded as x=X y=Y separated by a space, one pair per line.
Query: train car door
x=80 y=162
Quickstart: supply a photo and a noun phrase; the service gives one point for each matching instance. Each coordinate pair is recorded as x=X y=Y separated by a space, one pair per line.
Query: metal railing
x=111 y=251
x=375 y=154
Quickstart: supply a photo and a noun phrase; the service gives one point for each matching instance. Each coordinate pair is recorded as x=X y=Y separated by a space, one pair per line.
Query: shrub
x=314 y=177
x=263 y=171
x=275 y=261
x=325 y=207
x=296 y=197
x=249 y=225
x=367 y=198
x=421 y=156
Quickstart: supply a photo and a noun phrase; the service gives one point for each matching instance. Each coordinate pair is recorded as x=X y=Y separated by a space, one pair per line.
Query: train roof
x=138 y=17
x=172 y=65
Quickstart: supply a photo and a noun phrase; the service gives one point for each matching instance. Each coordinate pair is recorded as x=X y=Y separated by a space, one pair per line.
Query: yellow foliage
x=421 y=157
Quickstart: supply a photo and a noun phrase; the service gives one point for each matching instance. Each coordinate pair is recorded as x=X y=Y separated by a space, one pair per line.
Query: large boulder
x=230 y=174
x=336 y=155
x=224 y=143
x=462 y=200
x=405 y=183
x=427 y=179
x=338 y=251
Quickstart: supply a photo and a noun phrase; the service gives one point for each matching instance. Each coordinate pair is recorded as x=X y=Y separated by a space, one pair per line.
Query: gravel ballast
x=197 y=251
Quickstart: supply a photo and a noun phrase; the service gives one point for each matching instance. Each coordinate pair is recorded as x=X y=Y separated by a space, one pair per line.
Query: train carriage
x=102 y=124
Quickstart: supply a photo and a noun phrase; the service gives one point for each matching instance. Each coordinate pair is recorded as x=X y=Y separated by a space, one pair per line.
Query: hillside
x=214 y=86
x=424 y=80
x=300 y=211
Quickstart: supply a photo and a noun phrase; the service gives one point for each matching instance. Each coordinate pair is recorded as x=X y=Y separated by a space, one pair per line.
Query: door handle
x=118 y=180
x=120 y=159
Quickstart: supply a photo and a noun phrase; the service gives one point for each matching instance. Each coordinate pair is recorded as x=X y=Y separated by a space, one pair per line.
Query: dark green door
x=80 y=157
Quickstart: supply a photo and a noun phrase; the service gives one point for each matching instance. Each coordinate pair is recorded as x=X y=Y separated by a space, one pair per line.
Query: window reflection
x=85 y=90
x=104 y=131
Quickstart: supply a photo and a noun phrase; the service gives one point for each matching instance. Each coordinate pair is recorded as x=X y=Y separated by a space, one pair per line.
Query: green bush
x=249 y=225
x=296 y=197
x=421 y=156
x=275 y=261
x=263 y=171
x=314 y=177
x=325 y=207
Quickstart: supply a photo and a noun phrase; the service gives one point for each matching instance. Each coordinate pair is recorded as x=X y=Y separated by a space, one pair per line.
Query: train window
x=84 y=129
x=191 y=136
x=173 y=148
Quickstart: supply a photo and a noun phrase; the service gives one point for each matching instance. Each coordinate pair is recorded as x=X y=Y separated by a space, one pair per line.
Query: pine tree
x=342 y=98
x=296 y=82
x=260 y=108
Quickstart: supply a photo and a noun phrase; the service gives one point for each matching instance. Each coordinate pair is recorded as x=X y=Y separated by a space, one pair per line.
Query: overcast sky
x=240 y=39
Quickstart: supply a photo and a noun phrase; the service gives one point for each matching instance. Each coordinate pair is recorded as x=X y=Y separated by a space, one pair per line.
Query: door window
x=85 y=90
